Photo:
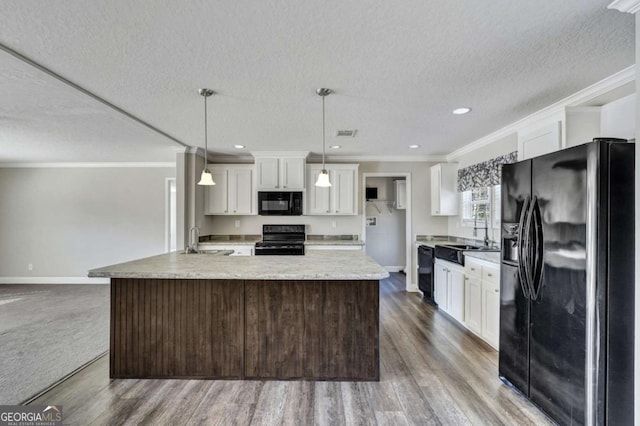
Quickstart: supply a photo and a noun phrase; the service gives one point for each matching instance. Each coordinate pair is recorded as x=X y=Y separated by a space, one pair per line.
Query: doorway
x=386 y=220
x=171 y=209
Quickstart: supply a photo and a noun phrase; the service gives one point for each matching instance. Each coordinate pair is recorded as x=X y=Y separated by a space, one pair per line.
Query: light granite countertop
x=334 y=243
x=314 y=265
x=489 y=256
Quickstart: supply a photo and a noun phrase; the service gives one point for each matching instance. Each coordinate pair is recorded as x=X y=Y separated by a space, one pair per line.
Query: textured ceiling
x=398 y=69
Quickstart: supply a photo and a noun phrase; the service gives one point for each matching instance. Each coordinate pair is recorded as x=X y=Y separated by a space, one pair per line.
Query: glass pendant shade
x=206 y=178
x=323 y=179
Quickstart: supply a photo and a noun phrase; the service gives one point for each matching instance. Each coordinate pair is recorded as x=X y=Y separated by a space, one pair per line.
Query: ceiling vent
x=346 y=133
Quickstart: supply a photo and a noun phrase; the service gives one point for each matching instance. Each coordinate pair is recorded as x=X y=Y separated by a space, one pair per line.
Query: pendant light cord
x=323 y=136
x=206 y=149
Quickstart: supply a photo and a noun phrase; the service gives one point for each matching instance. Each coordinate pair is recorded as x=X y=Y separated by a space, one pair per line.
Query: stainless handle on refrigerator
x=521 y=274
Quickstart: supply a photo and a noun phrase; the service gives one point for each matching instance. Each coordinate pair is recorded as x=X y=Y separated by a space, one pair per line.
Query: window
x=481 y=204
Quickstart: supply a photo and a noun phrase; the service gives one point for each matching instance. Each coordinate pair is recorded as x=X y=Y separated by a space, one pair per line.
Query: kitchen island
x=311 y=317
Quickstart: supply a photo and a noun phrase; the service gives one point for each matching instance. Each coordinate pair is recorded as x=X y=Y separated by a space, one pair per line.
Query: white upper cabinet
x=292 y=173
x=284 y=171
x=233 y=192
x=338 y=199
x=536 y=141
x=268 y=173
x=444 y=194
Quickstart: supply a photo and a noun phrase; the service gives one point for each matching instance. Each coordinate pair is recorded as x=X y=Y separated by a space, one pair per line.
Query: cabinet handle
x=497 y=290
x=489 y=275
x=437 y=211
x=466 y=278
x=328 y=211
x=234 y=211
x=473 y=269
x=284 y=186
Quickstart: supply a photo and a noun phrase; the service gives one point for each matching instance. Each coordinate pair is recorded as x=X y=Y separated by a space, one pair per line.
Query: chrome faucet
x=194 y=236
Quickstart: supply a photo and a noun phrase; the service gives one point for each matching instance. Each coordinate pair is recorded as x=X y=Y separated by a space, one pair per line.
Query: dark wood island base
x=245 y=329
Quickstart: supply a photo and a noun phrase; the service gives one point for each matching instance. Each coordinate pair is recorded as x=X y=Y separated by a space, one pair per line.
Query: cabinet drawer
x=472 y=267
x=491 y=273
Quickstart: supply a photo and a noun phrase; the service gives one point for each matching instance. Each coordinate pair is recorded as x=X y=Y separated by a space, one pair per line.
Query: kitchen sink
x=455 y=252
x=468 y=247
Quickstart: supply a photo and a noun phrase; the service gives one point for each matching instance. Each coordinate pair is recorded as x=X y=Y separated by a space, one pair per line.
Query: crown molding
x=86 y=165
x=384 y=158
x=626 y=6
x=605 y=85
x=280 y=154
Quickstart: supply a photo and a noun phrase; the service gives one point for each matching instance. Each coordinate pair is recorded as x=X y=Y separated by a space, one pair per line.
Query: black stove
x=281 y=240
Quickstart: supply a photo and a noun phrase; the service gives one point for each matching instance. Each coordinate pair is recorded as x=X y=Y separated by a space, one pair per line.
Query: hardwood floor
x=432 y=372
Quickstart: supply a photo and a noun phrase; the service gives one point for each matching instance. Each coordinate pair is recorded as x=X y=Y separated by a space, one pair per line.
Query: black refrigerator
x=567 y=282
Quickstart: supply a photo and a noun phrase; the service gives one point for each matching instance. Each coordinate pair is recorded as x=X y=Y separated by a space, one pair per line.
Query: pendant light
x=323 y=177
x=205 y=178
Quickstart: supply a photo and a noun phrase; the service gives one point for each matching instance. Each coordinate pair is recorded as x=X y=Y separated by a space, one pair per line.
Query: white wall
x=501 y=146
x=66 y=221
x=386 y=242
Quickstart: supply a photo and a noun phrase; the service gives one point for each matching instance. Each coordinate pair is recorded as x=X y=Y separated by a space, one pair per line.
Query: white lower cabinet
x=482 y=299
x=449 y=288
x=491 y=313
x=473 y=305
x=238 y=249
x=334 y=247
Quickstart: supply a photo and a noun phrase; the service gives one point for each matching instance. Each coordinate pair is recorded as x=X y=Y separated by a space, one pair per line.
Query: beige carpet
x=46 y=332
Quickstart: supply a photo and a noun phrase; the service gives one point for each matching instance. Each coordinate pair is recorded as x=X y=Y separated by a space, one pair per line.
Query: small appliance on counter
x=281 y=240
x=277 y=203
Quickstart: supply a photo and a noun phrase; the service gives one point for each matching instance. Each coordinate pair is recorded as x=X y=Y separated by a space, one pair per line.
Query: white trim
x=384 y=158
x=280 y=154
x=53 y=280
x=88 y=165
x=393 y=268
x=614 y=81
x=627 y=6
x=408 y=219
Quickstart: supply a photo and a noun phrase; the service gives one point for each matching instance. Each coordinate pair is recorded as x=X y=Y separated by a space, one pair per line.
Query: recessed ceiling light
x=335 y=147
x=460 y=111
x=414 y=146
x=239 y=146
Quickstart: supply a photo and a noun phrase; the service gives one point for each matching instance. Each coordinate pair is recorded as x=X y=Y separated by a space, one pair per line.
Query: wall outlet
x=237 y=223
x=30 y=266
x=333 y=223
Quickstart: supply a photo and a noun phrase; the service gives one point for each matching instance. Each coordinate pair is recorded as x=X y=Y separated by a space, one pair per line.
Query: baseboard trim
x=53 y=280
x=63 y=379
x=393 y=268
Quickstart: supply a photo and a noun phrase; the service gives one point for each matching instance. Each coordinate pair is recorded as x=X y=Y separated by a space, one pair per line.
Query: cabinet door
x=319 y=197
x=491 y=313
x=267 y=169
x=473 y=304
x=292 y=173
x=240 y=192
x=456 y=294
x=441 y=287
x=344 y=191
x=216 y=200
x=435 y=190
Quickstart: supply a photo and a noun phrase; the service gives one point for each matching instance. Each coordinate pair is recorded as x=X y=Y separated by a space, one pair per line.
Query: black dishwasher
x=425 y=272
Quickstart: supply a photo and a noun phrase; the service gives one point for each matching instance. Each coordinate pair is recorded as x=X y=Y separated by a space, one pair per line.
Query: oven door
x=279 y=203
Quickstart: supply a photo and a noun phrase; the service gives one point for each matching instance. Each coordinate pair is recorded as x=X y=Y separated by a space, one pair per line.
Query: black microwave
x=273 y=203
